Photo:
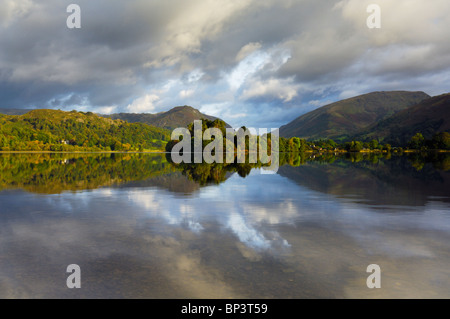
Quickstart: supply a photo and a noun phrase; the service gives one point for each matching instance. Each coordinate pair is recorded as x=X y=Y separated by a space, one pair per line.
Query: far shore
x=164 y=152
x=83 y=152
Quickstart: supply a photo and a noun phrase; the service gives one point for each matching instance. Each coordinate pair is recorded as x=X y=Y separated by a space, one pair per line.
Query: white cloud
x=196 y=21
x=215 y=108
x=246 y=68
x=283 y=89
x=13 y=9
x=237 y=115
x=186 y=93
x=143 y=104
x=106 y=109
x=195 y=76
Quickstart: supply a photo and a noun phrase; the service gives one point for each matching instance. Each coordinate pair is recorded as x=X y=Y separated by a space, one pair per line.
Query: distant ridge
x=179 y=116
x=343 y=119
x=428 y=117
x=14 y=111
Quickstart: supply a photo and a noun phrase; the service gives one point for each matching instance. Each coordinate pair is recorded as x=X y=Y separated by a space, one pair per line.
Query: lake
x=139 y=226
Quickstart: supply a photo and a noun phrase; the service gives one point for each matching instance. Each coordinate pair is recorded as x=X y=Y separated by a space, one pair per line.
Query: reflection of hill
x=57 y=172
x=400 y=180
x=392 y=181
x=53 y=173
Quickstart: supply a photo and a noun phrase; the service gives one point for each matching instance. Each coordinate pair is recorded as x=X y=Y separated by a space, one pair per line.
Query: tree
x=441 y=141
x=387 y=148
x=417 y=141
x=354 y=146
x=374 y=144
x=295 y=144
x=332 y=144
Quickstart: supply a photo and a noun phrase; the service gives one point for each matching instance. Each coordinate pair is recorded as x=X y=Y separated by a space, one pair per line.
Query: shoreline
x=81 y=152
x=164 y=152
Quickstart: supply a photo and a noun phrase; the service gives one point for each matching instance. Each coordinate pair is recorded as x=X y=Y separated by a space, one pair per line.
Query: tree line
x=51 y=130
x=439 y=141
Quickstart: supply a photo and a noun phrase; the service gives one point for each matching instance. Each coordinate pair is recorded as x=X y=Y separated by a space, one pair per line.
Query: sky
x=254 y=63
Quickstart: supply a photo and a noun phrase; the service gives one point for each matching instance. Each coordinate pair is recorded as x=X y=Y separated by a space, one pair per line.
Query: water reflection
x=52 y=173
x=141 y=227
x=378 y=182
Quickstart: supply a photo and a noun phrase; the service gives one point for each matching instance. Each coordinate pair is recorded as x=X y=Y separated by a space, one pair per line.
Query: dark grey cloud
x=250 y=61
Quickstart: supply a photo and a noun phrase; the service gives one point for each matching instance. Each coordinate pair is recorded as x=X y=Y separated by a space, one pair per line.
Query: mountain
x=180 y=116
x=348 y=117
x=428 y=117
x=54 y=130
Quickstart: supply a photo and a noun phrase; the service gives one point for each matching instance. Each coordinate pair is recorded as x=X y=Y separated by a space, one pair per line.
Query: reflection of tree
x=292 y=159
x=443 y=164
x=57 y=172
x=439 y=160
x=417 y=161
x=214 y=173
x=378 y=180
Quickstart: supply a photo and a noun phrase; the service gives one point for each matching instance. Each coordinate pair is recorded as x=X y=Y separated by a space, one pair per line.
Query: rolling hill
x=180 y=116
x=346 y=118
x=54 y=130
x=427 y=117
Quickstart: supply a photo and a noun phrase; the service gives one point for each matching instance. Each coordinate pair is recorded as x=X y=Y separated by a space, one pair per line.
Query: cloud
x=266 y=59
x=143 y=104
x=186 y=93
x=283 y=89
x=12 y=10
x=246 y=50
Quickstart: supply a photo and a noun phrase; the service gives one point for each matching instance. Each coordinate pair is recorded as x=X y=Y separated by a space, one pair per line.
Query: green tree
x=441 y=141
x=374 y=144
x=354 y=146
x=417 y=141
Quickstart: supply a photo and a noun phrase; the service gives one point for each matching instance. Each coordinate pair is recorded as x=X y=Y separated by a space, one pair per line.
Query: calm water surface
x=140 y=227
